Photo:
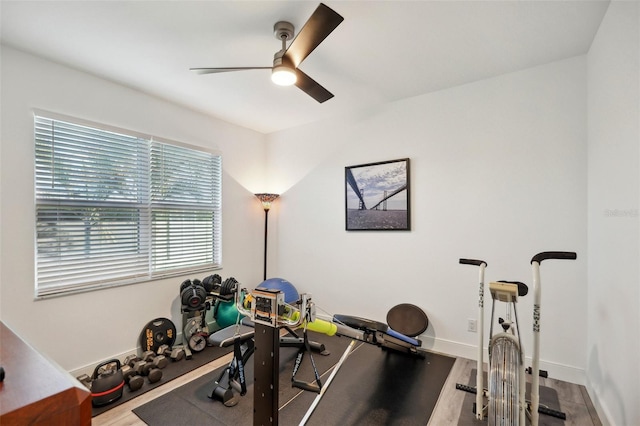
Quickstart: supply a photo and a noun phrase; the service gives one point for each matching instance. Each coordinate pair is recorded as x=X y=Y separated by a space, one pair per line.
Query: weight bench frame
x=379 y=334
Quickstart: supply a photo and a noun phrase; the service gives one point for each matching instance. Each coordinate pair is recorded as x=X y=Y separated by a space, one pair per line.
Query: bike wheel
x=504 y=383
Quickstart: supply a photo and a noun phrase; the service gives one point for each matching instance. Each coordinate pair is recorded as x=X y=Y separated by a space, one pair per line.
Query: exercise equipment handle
x=561 y=255
x=473 y=262
x=481 y=264
x=537 y=297
x=305 y=386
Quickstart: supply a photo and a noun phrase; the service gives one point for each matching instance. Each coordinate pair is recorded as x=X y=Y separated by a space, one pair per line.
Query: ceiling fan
x=285 y=69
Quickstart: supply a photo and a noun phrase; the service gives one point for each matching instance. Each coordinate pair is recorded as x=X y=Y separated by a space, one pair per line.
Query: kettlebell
x=107 y=386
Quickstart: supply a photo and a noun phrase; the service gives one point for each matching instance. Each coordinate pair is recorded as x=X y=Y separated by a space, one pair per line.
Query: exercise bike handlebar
x=473 y=262
x=481 y=264
x=545 y=255
x=535 y=359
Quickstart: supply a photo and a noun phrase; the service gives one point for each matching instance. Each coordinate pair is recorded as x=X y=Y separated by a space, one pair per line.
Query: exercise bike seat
x=523 y=290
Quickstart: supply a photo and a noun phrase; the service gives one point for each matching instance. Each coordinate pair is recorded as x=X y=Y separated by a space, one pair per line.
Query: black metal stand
x=266 y=375
x=266 y=223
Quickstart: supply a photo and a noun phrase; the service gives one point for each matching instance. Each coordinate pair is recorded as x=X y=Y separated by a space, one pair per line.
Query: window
x=114 y=207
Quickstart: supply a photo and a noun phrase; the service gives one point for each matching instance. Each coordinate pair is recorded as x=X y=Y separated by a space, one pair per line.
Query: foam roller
x=322 y=326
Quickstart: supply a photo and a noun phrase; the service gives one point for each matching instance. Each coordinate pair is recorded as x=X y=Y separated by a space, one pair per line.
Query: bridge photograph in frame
x=377 y=196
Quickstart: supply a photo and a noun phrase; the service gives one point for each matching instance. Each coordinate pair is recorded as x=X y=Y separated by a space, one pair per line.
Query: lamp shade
x=282 y=75
x=267 y=199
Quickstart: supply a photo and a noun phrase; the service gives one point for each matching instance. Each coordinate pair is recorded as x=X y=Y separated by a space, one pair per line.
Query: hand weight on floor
x=175 y=354
x=158 y=361
x=85 y=380
x=144 y=368
x=131 y=378
x=147 y=368
x=154 y=375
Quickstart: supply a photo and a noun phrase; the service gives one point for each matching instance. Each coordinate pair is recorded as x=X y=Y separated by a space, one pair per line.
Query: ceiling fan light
x=283 y=75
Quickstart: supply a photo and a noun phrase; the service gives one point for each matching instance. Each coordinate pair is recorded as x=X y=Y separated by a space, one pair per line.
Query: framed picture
x=377 y=196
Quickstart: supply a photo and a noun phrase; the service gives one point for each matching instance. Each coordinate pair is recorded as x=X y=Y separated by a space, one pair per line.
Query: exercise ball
x=290 y=293
x=227 y=314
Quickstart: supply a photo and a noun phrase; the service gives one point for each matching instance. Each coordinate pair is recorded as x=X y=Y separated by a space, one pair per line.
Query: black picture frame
x=378 y=196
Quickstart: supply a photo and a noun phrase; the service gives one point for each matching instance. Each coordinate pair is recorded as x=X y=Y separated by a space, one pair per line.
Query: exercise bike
x=506 y=376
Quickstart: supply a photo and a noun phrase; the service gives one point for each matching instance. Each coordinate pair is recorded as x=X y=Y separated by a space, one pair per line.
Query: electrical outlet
x=472 y=325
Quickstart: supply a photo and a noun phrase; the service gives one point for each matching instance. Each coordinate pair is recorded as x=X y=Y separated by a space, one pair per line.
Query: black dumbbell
x=158 y=361
x=131 y=359
x=154 y=375
x=176 y=354
x=85 y=380
x=131 y=378
x=135 y=362
x=144 y=368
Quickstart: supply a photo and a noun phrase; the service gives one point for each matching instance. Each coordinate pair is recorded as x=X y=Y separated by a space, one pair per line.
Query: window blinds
x=115 y=208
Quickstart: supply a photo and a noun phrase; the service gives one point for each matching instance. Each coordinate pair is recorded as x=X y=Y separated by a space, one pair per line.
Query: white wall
x=81 y=330
x=614 y=183
x=498 y=172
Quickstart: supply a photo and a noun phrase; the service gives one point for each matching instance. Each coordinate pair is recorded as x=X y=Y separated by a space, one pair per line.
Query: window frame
x=61 y=289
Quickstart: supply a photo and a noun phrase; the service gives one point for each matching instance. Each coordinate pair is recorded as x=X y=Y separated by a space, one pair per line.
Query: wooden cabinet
x=37 y=391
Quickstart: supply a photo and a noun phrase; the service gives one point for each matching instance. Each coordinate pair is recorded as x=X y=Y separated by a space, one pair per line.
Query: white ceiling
x=382 y=52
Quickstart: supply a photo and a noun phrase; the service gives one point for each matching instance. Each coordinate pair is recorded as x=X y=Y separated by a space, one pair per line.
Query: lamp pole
x=266 y=200
x=266 y=226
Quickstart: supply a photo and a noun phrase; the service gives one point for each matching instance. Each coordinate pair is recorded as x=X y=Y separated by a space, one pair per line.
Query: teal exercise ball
x=227 y=314
x=290 y=293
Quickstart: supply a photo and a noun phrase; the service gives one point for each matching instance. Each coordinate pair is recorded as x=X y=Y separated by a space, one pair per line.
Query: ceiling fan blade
x=321 y=23
x=311 y=87
x=218 y=70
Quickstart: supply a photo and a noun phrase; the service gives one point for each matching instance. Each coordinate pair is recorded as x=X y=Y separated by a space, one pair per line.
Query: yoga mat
x=373 y=386
x=548 y=397
x=170 y=372
x=377 y=387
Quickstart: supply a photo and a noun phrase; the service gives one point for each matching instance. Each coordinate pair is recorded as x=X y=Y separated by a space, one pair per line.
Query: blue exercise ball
x=290 y=293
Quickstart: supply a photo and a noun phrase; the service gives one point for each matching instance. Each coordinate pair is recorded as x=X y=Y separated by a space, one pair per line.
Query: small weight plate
x=160 y=331
x=198 y=342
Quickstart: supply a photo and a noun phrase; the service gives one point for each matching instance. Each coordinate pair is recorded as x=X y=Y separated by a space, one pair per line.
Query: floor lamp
x=266 y=200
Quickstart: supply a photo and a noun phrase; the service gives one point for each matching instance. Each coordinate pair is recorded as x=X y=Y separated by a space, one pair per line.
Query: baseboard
x=88 y=369
x=562 y=372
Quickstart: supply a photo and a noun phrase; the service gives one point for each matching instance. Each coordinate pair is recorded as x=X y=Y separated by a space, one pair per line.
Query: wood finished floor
x=574 y=400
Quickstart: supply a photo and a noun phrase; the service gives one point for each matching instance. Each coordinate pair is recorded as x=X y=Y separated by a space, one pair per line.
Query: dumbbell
x=85 y=380
x=131 y=361
x=176 y=354
x=152 y=373
x=131 y=378
x=144 y=368
x=158 y=361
